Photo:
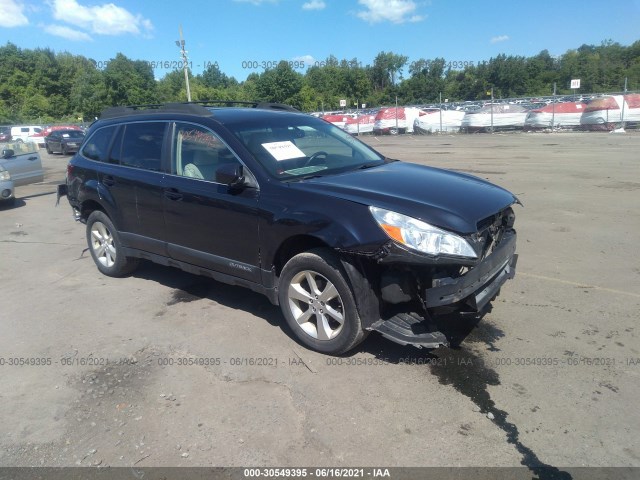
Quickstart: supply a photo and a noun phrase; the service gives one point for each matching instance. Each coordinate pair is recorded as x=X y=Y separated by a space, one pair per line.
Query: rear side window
x=97 y=146
x=142 y=145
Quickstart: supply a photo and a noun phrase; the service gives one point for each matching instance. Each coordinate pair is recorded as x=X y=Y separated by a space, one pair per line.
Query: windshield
x=299 y=146
x=72 y=134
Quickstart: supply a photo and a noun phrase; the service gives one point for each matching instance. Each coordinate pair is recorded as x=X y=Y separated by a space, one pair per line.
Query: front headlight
x=5 y=175
x=421 y=236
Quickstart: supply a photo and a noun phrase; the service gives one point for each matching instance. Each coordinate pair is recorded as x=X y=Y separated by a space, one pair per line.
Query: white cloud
x=68 y=33
x=499 y=38
x=308 y=60
x=394 y=11
x=314 y=5
x=12 y=14
x=106 y=19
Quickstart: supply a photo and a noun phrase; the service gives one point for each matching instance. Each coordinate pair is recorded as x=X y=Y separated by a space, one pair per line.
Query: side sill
x=270 y=293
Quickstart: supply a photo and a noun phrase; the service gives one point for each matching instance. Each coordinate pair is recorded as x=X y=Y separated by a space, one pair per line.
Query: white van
x=21 y=133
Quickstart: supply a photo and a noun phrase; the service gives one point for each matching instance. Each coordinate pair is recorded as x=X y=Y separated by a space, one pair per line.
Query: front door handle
x=173 y=194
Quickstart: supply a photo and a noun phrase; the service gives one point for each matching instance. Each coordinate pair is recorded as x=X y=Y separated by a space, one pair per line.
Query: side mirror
x=8 y=153
x=230 y=174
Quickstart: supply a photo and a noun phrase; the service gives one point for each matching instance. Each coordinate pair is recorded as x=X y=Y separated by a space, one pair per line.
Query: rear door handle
x=173 y=194
x=32 y=158
x=109 y=181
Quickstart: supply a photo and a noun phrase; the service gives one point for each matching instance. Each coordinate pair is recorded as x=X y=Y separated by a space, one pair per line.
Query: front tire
x=318 y=304
x=106 y=248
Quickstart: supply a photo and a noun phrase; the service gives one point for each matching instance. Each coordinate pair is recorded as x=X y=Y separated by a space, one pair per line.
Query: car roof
x=203 y=109
x=226 y=114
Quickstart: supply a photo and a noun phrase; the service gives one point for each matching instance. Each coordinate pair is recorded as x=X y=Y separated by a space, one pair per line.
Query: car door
x=53 y=141
x=25 y=165
x=209 y=224
x=134 y=176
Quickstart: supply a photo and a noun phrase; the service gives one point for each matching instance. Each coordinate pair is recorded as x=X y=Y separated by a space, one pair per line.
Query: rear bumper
x=477 y=287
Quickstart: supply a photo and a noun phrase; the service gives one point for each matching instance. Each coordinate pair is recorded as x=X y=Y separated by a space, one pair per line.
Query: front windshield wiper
x=370 y=165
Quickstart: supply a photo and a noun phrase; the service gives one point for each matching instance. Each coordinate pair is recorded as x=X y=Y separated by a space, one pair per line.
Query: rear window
x=97 y=146
x=142 y=145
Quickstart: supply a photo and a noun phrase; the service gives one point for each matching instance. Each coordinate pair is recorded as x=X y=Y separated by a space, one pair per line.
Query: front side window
x=198 y=152
x=142 y=145
x=97 y=146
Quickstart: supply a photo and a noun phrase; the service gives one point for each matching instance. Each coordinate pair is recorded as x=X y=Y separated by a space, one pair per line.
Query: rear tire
x=106 y=248
x=318 y=304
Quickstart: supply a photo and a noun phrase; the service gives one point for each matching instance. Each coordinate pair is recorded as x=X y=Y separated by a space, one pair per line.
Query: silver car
x=21 y=165
x=23 y=162
x=6 y=187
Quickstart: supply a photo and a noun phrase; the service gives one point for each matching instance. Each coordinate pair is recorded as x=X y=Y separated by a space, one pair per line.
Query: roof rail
x=193 y=108
x=261 y=105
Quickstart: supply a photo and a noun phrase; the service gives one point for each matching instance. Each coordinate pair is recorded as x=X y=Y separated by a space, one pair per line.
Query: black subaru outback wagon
x=345 y=240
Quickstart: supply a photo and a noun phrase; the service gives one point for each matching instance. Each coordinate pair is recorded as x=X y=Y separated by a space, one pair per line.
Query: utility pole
x=185 y=63
x=491 y=109
x=624 y=94
x=553 y=108
x=440 y=113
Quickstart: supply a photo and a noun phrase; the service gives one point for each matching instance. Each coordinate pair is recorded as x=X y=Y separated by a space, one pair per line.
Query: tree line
x=45 y=86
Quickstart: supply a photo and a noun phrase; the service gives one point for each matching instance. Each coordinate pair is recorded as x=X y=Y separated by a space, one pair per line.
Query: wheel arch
x=292 y=246
x=90 y=206
x=357 y=273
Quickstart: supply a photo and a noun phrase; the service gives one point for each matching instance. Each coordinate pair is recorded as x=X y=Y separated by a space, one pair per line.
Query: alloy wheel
x=102 y=244
x=316 y=305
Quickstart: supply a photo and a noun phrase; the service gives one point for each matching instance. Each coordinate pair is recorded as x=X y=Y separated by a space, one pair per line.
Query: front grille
x=491 y=231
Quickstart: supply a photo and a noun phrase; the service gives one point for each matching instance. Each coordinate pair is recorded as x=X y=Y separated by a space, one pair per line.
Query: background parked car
x=64 y=141
x=22 y=133
x=5 y=134
x=23 y=163
x=40 y=136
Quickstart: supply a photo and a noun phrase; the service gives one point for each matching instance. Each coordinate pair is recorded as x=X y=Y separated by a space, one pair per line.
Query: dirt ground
x=164 y=368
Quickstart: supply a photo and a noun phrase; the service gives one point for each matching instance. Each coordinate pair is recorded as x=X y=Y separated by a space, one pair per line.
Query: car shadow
x=17 y=203
x=187 y=287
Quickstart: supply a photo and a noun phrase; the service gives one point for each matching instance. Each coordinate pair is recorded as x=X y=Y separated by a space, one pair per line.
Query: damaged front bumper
x=469 y=293
x=478 y=286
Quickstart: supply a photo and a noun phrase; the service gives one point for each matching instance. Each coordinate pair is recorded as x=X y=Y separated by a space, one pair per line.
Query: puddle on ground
x=471 y=376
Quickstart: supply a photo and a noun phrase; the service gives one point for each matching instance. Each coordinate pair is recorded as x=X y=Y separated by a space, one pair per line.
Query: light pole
x=185 y=63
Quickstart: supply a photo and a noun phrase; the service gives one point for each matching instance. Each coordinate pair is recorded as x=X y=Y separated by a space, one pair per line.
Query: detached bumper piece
x=62 y=191
x=410 y=329
x=480 y=285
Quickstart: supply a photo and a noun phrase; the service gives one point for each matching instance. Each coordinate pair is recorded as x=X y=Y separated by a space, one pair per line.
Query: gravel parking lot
x=164 y=368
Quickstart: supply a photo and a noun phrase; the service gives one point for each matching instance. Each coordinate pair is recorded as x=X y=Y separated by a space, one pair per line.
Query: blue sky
x=242 y=34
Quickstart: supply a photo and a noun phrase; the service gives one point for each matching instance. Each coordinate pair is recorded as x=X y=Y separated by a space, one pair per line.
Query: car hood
x=446 y=199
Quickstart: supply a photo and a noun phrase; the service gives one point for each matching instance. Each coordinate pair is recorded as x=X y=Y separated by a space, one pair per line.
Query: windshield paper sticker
x=283 y=150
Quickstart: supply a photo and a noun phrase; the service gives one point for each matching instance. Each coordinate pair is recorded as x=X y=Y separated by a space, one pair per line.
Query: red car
x=39 y=138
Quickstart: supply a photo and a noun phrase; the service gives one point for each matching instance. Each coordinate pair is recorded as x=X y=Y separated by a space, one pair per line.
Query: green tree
x=129 y=82
x=278 y=84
